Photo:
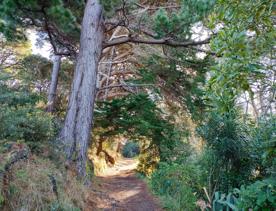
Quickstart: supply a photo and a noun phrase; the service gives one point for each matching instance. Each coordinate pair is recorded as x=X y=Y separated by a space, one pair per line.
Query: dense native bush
x=25 y=122
x=177 y=184
x=265 y=138
x=237 y=154
x=16 y=97
x=20 y=119
x=260 y=195
x=228 y=152
x=131 y=149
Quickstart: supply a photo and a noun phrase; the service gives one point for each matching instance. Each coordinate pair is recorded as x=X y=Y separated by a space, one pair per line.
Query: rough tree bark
x=53 y=85
x=75 y=134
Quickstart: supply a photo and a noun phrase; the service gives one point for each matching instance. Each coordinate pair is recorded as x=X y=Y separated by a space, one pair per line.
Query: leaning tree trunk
x=77 y=127
x=53 y=86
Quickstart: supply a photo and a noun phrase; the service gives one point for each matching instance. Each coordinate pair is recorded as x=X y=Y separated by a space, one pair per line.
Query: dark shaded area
x=130 y=150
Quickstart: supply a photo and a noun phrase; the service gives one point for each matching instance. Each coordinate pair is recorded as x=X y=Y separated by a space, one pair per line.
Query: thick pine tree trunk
x=77 y=127
x=53 y=85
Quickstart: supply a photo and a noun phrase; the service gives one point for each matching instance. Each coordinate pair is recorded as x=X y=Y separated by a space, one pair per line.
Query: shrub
x=131 y=149
x=228 y=151
x=20 y=119
x=176 y=184
x=148 y=161
x=26 y=123
x=14 y=97
x=260 y=195
x=264 y=137
x=222 y=201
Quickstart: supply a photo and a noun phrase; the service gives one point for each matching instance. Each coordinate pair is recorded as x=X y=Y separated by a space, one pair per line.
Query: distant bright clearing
x=44 y=51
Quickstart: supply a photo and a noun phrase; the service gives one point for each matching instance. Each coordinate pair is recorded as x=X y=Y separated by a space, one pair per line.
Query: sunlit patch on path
x=121 y=190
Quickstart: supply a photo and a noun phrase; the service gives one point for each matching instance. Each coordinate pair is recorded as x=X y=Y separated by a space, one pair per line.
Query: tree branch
x=168 y=42
x=51 y=38
x=157 y=8
x=124 y=85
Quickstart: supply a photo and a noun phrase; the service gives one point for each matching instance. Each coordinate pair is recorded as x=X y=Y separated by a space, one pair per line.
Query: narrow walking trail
x=120 y=190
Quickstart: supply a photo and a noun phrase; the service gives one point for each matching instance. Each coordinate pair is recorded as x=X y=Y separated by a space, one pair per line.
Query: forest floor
x=119 y=189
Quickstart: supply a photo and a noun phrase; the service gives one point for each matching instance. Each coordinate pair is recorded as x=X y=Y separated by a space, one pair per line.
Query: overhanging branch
x=124 y=85
x=168 y=42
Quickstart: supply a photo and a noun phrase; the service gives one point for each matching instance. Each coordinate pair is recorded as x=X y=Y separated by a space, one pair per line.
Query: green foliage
x=61 y=13
x=137 y=116
x=178 y=24
x=27 y=123
x=176 y=184
x=183 y=76
x=63 y=17
x=247 y=35
x=224 y=202
x=15 y=98
x=34 y=67
x=264 y=137
x=148 y=161
x=226 y=136
x=21 y=120
x=260 y=195
x=130 y=150
x=110 y=6
x=237 y=152
x=228 y=151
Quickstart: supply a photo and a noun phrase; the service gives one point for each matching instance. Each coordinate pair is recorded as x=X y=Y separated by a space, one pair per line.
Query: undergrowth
x=38 y=184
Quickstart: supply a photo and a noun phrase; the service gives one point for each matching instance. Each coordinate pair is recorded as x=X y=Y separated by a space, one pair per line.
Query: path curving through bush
x=121 y=190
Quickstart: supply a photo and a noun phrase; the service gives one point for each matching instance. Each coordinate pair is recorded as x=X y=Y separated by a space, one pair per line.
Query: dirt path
x=121 y=190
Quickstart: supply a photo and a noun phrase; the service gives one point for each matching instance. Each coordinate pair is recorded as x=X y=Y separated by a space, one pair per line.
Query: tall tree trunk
x=77 y=127
x=53 y=85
